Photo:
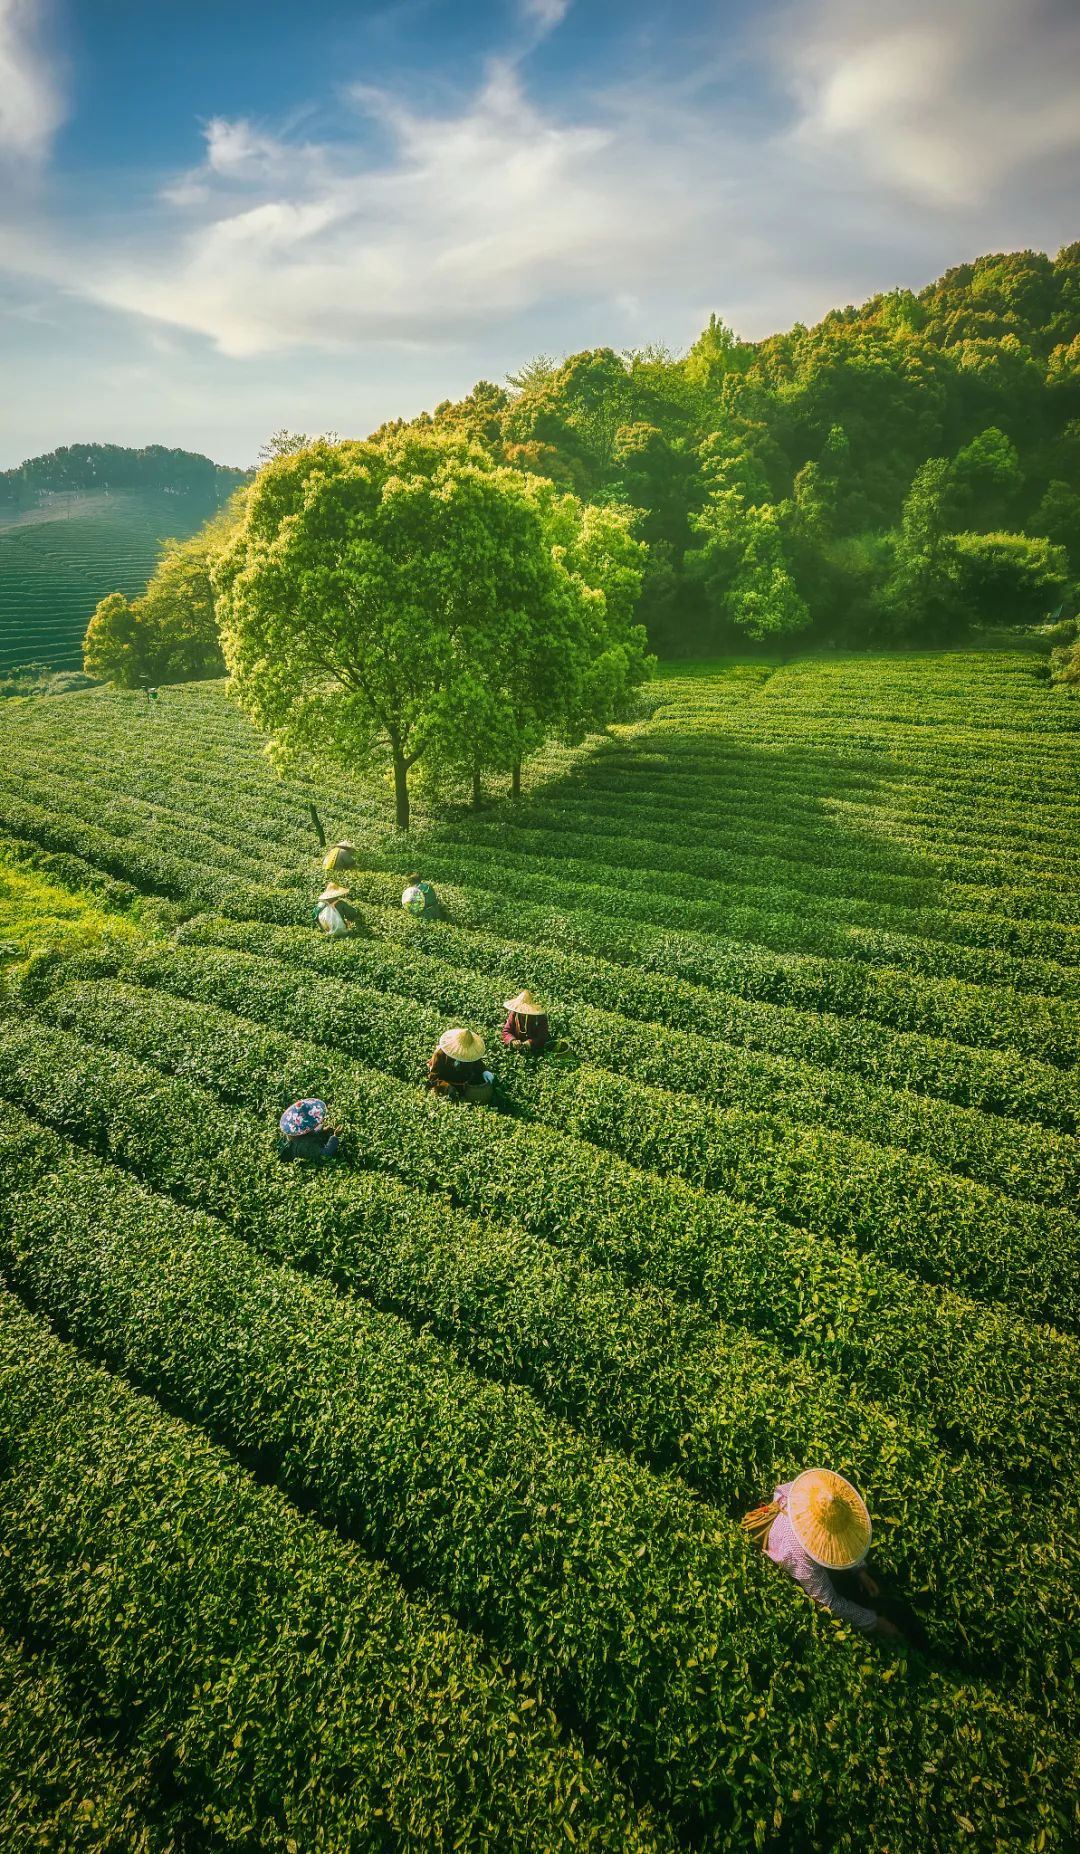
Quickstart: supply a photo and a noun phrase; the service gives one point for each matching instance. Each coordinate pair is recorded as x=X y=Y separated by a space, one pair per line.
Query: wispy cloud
x=943 y=101
x=499 y=218
x=473 y=215
x=30 y=106
x=547 y=14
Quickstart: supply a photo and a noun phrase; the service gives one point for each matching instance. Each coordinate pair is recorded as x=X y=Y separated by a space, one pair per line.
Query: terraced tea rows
x=58 y=560
x=803 y=1188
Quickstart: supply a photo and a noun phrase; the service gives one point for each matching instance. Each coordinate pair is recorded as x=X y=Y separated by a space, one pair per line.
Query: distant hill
x=85 y=520
x=117 y=466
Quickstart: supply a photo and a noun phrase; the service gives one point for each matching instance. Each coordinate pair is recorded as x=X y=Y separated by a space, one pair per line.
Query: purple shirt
x=531 y=1028
x=784 y=1549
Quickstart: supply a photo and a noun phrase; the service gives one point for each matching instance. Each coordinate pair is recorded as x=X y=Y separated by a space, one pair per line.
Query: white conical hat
x=524 y=1004
x=463 y=1045
x=333 y=893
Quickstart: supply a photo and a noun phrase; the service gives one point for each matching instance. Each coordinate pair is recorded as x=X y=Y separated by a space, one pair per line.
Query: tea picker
x=305 y=1133
x=526 y=1027
x=420 y=900
x=456 y=1069
x=334 y=912
x=817 y=1528
x=339 y=856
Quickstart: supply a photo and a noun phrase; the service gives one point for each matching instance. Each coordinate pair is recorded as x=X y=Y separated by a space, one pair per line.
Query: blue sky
x=219 y=219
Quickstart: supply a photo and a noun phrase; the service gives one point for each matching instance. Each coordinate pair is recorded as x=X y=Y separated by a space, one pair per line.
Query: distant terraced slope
x=60 y=557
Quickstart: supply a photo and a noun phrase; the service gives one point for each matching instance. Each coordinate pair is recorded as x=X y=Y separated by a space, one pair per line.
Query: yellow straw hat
x=525 y=1004
x=829 y=1519
x=333 y=893
x=463 y=1045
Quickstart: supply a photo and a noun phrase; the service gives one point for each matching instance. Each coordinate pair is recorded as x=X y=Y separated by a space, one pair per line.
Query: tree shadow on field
x=825 y=816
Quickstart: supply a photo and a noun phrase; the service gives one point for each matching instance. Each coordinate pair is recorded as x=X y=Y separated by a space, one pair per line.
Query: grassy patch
x=37 y=916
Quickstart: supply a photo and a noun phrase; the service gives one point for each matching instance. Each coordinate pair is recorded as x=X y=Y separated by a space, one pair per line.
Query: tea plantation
x=58 y=559
x=395 y=1505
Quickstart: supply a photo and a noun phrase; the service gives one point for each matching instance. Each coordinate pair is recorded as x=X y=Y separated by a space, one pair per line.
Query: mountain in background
x=116 y=466
x=85 y=520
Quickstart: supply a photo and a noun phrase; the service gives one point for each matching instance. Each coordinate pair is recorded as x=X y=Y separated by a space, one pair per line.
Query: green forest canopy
x=900 y=472
x=117 y=466
x=892 y=473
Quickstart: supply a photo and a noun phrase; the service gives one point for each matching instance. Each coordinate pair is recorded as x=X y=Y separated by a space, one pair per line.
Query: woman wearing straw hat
x=334 y=912
x=817 y=1529
x=305 y=1133
x=341 y=855
x=526 y=1026
x=457 y=1070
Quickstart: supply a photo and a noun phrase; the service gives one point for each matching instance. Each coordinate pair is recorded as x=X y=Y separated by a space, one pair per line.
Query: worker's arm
x=818 y=1584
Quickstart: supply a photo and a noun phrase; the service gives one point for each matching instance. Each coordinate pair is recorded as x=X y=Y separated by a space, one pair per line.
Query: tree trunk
x=477 y=794
x=319 y=832
x=515 y=780
x=401 y=792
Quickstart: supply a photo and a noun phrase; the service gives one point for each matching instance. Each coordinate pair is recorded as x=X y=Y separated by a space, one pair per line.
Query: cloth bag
x=331 y=921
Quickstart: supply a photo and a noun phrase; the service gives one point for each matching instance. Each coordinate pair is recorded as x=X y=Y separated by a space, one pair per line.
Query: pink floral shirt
x=784 y=1549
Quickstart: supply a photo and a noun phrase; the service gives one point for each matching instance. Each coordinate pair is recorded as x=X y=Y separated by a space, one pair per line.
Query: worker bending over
x=817 y=1529
x=526 y=1027
x=456 y=1068
x=420 y=900
x=339 y=856
x=334 y=912
x=305 y=1133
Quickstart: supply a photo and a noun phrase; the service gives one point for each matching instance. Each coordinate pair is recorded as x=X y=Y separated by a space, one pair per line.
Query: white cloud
x=945 y=101
x=547 y=14
x=238 y=151
x=30 y=107
x=189 y=190
x=475 y=215
x=499 y=226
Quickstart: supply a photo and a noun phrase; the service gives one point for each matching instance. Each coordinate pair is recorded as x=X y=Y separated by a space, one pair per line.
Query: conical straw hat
x=829 y=1519
x=463 y=1045
x=333 y=893
x=525 y=1004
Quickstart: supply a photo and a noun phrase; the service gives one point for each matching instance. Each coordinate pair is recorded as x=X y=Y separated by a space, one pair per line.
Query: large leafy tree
x=407 y=598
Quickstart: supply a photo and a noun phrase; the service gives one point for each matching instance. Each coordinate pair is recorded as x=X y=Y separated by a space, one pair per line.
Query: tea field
x=396 y=1505
x=57 y=559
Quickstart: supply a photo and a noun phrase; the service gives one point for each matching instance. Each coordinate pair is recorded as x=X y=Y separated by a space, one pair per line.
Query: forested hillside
x=905 y=472
x=898 y=472
x=116 y=466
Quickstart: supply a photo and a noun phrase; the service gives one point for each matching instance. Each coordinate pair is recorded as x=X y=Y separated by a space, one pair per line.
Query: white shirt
x=784 y=1549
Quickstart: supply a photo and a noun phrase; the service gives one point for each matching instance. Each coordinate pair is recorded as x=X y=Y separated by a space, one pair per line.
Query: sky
x=219 y=219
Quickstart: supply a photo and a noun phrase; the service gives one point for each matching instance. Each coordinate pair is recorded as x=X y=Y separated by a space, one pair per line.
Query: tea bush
x=285 y=1687
x=440 y=1452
